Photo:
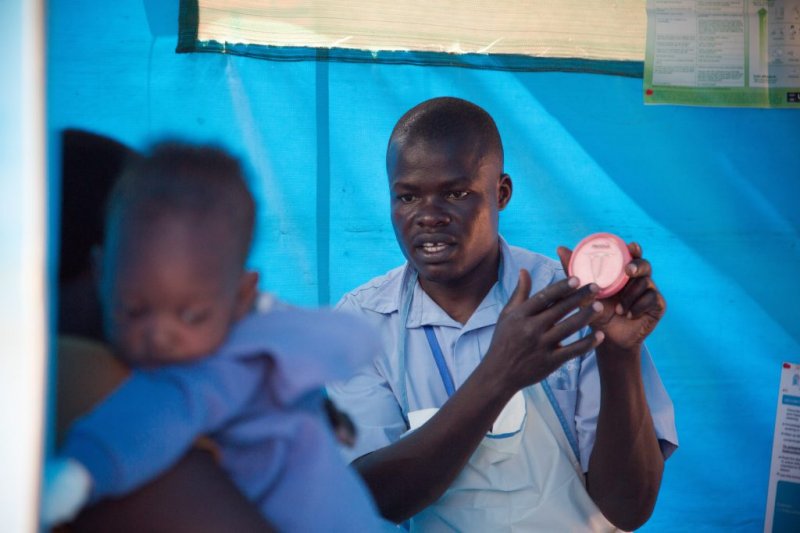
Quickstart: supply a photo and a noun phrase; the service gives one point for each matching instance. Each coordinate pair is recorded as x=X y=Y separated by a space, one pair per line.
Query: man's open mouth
x=433 y=247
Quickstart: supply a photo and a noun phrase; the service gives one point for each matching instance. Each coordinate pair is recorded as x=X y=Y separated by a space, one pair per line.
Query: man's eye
x=457 y=195
x=194 y=317
x=406 y=198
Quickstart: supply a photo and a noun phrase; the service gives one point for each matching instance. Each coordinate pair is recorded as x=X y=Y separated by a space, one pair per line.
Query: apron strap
x=436 y=350
x=551 y=413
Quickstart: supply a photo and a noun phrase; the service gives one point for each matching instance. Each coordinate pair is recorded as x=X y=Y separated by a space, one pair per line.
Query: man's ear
x=246 y=293
x=504 y=190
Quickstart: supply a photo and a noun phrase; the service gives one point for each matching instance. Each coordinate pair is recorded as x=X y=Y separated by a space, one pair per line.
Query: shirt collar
x=425 y=312
x=509 y=270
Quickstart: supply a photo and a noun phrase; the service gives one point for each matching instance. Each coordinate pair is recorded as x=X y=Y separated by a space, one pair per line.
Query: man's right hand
x=527 y=343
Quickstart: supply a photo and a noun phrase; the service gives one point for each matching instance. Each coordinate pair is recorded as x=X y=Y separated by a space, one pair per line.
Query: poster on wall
x=742 y=53
x=783 y=494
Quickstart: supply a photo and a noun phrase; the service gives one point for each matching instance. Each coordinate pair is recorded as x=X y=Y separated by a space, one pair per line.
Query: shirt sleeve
x=315 y=490
x=369 y=400
x=147 y=424
x=588 y=407
x=309 y=347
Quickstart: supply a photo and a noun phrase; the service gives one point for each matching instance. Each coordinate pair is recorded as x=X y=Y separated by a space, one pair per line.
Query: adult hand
x=626 y=464
x=629 y=316
x=527 y=342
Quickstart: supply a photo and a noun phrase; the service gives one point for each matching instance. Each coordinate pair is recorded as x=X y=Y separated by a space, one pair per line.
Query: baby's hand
x=342 y=425
x=67 y=485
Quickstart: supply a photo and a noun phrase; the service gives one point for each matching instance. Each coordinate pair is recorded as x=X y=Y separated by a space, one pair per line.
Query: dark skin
x=626 y=464
x=446 y=201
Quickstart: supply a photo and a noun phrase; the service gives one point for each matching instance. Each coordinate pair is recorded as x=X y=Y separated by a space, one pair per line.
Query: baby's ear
x=246 y=295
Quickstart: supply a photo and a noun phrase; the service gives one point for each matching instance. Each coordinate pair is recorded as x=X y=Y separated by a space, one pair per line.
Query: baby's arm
x=150 y=421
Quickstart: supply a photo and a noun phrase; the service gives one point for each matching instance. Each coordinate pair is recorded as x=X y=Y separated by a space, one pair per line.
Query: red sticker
x=649 y=92
x=787 y=365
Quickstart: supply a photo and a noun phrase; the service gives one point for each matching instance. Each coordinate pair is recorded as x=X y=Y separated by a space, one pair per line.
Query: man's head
x=445 y=168
x=179 y=225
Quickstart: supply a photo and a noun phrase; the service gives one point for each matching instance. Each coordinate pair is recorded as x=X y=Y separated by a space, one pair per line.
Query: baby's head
x=179 y=225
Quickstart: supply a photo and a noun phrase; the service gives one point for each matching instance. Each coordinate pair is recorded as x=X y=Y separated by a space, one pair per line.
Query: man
x=518 y=415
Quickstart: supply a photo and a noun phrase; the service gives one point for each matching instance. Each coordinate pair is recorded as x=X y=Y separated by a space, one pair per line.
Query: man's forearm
x=410 y=474
x=626 y=463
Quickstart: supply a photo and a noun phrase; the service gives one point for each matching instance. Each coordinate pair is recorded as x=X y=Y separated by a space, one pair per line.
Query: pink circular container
x=601 y=258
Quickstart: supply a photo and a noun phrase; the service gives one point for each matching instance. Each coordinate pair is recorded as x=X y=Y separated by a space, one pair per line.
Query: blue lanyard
x=436 y=350
x=409 y=283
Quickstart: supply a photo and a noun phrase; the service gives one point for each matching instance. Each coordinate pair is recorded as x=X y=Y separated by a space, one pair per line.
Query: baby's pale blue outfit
x=260 y=399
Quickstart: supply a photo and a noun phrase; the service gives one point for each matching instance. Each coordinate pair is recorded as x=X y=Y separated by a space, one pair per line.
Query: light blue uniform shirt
x=374 y=396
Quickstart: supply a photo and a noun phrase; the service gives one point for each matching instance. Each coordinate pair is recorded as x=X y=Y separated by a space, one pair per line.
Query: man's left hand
x=632 y=314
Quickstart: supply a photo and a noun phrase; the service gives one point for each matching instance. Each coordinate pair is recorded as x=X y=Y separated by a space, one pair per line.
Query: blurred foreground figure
x=178 y=307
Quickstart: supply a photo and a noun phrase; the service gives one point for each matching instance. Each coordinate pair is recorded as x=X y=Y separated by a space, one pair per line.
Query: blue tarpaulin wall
x=711 y=194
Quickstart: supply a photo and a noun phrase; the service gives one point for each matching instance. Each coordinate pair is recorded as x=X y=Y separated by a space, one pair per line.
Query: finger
x=633 y=290
x=582 y=346
x=580 y=298
x=651 y=303
x=638 y=268
x=572 y=324
x=565 y=254
x=635 y=249
x=521 y=291
x=548 y=296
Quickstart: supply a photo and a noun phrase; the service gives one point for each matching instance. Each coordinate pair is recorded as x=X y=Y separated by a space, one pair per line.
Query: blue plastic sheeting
x=710 y=193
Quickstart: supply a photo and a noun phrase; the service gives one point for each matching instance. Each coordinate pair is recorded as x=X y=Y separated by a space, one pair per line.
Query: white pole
x=23 y=311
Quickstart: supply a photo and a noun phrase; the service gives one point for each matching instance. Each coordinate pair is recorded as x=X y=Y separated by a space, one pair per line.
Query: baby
x=209 y=357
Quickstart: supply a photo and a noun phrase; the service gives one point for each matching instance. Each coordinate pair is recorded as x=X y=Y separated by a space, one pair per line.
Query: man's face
x=169 y=293
x=445 y=203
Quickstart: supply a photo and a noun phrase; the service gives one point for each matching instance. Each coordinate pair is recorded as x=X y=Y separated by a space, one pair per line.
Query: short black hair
x=449 y=119
x=177 y=178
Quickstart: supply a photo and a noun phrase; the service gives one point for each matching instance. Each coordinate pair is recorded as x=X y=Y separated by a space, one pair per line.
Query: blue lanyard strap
x=561 y=418
x=444 y=372
x=447 y=379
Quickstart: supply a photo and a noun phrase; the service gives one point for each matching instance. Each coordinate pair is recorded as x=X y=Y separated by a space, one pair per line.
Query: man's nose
x=432 y=212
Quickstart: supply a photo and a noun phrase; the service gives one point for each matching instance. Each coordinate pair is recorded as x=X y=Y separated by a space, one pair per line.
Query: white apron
x=524 y=476
x=503 y=488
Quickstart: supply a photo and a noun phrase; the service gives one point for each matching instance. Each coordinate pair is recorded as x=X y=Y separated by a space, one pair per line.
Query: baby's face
x=170 y=292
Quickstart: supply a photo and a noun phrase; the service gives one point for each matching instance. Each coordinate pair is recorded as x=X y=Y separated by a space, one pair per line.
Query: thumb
x=522 y=290
x=565 y=254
